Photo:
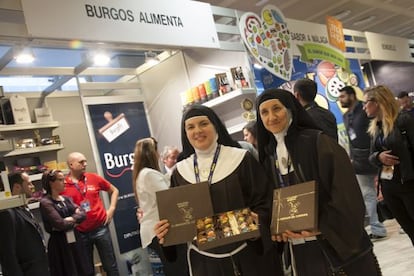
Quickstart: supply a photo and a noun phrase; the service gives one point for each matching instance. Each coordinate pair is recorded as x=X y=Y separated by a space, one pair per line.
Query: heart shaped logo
x=268 y=40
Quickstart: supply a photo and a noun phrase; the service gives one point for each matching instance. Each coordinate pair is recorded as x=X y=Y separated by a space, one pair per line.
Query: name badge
x=352 y=134
x=85 y=205
x=70 y=236
x=387 y=172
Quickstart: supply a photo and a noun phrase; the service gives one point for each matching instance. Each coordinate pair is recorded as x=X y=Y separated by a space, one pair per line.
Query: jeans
x=101 y=238
x=367 y=186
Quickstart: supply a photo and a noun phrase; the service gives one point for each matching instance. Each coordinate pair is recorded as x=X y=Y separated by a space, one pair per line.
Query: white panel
x=156 y=22
x=161 y=86
x=383 y=47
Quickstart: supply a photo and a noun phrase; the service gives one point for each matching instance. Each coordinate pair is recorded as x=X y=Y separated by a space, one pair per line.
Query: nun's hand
x=161 y=229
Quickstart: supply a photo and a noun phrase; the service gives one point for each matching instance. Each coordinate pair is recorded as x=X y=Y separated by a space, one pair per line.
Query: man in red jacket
x=84 y=189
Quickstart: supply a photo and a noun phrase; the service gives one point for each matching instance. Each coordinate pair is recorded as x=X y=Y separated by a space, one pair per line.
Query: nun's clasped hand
x=161 y=229
x=294 y=235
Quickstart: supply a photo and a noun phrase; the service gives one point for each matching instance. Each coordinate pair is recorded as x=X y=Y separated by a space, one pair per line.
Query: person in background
x=356 y=124
x=293 y=150
x=22 y=248
x=305 y=91
x=66 y=252
x=147 y=180
x=169 y=157
x=392 y=144
x=237 y=181
x=406 y=103
x=84 y=187
x=249 y=133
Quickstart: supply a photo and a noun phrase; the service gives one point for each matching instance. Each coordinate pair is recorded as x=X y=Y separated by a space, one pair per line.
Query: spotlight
x=26 y=56
x=101 y=59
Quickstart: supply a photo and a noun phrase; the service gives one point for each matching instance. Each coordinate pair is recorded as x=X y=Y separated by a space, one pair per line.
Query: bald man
x=84 y=189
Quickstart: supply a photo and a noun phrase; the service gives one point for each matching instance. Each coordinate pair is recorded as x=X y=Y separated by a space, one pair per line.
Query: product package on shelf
x=20 y=109
x=238 y=77
x=30 y=165
x=43 y=114
x=6 y=112
x=223 y=83
x=4 y=185
x=295 y=208
x=225 y=228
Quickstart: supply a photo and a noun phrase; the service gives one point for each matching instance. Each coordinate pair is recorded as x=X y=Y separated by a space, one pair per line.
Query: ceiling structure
x=58 y=62
x=390 y=17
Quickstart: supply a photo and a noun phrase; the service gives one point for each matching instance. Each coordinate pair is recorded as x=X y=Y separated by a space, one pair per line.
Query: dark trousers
x=400 y=200
x=172 y=268
x=311 y=260
x=101 y=238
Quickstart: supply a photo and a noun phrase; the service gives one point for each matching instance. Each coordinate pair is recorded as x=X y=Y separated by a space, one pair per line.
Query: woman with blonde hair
x=147 y=180
x=392 y=144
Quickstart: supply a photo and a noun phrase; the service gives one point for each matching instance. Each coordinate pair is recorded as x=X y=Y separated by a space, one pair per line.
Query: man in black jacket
x=305 y=91
x=22 y=249
x=356 y=123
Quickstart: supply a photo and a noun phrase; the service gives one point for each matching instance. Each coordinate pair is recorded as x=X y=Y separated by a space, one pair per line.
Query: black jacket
x=324 y=119
x=401 y=142
x=356 y=123
x=22 y=251
x=318 y=157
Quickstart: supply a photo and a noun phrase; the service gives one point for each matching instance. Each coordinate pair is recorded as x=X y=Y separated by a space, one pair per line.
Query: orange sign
x=335 y=33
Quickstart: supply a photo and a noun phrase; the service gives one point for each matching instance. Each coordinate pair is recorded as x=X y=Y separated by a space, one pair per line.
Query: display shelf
x=21 y=127
x=236 y=128
x=13 y=201
x=35 y=177
x=38 y=176
x=233 y=95
x=17 y=152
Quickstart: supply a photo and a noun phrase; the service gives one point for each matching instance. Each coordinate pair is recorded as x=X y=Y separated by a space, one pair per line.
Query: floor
x=395 y=253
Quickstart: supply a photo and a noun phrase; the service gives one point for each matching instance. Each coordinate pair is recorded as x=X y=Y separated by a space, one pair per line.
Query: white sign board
x=384 y=47
x=155 y=22
x=304 y=32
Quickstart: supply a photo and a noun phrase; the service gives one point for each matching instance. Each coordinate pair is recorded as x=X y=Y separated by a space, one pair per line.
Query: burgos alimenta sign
x=153 y=22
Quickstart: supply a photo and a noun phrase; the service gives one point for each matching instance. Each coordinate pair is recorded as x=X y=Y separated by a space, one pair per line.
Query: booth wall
x=161 y=87
x=72 y=129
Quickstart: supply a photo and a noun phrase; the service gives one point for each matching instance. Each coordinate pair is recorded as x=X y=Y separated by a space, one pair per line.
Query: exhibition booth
x=209 y=55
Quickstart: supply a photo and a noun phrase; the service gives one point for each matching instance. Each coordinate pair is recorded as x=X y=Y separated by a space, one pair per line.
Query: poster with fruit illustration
x=328 y=76
x=267 y=38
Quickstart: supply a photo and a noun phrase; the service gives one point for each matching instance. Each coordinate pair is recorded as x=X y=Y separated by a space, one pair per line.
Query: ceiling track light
x=25 y=56
x=261 y=3
x=342 y=14
x=101 y=59
x=364 y=21
x=151 y=58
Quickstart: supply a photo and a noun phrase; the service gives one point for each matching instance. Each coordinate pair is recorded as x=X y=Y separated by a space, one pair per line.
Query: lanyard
x=212 y=167
x=85 y=188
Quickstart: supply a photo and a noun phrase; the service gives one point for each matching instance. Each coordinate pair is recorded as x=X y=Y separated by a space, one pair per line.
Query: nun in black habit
x=237 y=181
x=293 y=150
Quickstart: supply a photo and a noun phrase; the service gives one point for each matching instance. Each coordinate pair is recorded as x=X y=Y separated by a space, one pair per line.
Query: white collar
x=208 y=152
x=229 y=159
